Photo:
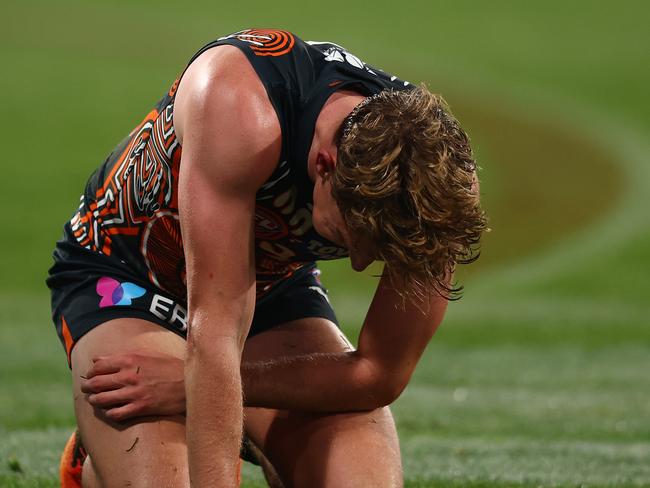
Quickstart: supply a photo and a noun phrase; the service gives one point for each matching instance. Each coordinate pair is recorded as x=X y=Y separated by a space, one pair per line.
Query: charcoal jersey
x=129 y=209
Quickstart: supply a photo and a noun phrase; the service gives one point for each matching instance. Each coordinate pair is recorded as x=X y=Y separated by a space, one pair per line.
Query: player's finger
x=106 y=399
x=104 y=382
x=106 y=365
x=124 y=412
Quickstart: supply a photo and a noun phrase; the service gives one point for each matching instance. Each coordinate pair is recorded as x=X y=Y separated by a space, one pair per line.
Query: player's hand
x=136 y=384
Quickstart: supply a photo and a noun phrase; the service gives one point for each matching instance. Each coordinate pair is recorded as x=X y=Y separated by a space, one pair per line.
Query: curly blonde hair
x=406 y=180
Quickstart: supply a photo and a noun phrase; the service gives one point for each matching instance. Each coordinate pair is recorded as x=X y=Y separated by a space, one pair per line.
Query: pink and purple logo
x=115 y=293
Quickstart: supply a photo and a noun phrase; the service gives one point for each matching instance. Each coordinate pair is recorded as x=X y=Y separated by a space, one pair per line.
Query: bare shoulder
x=222 y=113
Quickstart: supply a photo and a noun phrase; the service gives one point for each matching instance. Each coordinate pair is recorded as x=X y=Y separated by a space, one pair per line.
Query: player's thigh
x=353 y=449
x=149 y=451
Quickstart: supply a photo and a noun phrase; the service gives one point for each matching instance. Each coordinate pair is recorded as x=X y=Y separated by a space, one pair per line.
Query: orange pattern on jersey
x=162 y=248
x=174 y=87
x=137 y=188
x=85 y=226
x=269 y=42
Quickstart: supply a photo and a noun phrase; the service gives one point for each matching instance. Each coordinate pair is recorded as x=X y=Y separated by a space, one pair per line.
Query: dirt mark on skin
x=133 y=445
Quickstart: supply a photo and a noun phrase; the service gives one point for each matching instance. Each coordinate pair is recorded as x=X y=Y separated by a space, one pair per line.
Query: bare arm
x=231 y=141
x=391 y=342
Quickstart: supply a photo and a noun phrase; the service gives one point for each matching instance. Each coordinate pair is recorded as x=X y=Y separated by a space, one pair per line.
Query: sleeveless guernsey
x=129 y=209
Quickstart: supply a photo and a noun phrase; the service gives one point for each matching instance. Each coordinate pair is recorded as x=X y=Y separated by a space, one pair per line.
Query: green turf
x=539 y=376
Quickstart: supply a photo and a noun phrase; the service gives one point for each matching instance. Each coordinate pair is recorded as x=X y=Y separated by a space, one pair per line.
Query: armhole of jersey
x=249 y=58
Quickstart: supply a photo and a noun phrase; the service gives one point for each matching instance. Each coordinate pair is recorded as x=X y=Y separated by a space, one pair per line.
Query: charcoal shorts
x=89 y=288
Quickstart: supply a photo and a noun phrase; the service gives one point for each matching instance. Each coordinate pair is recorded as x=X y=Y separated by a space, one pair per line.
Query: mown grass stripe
x=526 y=461
x=461 y=461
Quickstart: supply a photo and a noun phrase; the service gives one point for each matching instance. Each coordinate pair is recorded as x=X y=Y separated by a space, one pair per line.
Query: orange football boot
x=72 y=461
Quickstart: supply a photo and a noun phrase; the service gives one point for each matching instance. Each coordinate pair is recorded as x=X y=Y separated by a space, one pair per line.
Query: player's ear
x=325 y=163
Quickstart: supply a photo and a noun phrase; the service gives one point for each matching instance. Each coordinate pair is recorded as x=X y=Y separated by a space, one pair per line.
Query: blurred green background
x=540 y=375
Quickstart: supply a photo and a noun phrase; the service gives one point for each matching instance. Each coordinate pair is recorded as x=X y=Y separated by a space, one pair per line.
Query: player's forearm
x=392 y=340
x=214 y=413
x=337 y=382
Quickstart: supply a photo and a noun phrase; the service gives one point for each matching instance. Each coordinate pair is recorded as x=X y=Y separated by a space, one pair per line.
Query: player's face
x=328 y=222
x=327 y=218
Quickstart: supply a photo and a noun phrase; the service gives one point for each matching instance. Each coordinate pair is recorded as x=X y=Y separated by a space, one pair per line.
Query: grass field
x=540 y=375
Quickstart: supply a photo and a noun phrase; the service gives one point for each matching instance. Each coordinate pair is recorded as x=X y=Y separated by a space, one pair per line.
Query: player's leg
x=309 y=450
x=149 y=451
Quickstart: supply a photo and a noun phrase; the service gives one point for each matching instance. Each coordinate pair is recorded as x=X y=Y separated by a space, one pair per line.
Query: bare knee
x=151 y=453
x=352 y=450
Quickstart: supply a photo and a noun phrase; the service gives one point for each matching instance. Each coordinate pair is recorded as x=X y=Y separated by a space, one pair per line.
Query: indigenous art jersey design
x=129 y=209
